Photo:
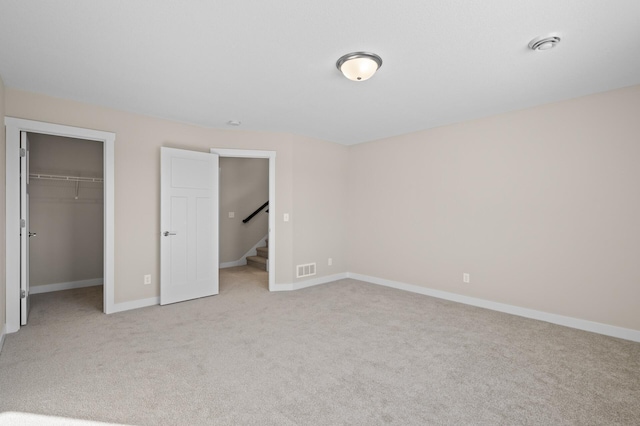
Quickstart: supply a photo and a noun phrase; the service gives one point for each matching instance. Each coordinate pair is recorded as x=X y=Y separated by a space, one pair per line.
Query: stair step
x=258 y=259
x=263 y=252
x=257 y=262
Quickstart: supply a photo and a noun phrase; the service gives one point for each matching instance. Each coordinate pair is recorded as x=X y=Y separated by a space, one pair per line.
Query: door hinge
x=23 y=223
x=23 y=294
x=23 y=152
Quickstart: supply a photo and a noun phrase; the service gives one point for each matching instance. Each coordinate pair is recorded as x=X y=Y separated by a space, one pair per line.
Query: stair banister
x=256 y=212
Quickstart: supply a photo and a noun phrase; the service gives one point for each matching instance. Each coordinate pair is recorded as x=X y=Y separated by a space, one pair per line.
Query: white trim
x=271 y=155
x=243 y=260
x=13 y=128
x=47 y=288
x=580 y=324
x=240 y=262
x=135 y=304
x=242 y=153
x=143 y=303
x=309 y=283
x=3 y=333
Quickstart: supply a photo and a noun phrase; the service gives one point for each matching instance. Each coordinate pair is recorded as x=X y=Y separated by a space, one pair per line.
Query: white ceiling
x=271 y=64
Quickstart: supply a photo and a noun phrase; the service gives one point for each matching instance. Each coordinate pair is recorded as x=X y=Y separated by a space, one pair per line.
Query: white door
x=24 y=228
x=189 y=225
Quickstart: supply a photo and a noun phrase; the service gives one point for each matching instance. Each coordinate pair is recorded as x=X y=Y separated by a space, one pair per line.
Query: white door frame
x=13 y=128
x=271 y=155
x=25 y=232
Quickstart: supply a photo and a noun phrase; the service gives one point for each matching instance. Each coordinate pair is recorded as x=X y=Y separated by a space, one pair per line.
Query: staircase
x=260 y=261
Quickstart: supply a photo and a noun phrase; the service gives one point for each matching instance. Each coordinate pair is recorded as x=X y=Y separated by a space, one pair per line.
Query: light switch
x=286 y=217
x=232 y=215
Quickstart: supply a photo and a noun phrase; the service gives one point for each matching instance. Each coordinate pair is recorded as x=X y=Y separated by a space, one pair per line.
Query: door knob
x=167 y=233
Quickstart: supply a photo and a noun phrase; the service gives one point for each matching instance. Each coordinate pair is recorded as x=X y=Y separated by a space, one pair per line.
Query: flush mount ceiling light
x=234 y=123
x=544 y=43
x=359 y=66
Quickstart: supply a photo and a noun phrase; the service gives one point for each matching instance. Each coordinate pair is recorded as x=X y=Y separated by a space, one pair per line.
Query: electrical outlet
x=466 y=278
x=232 y=215
x=147 y=279
x=330 y=261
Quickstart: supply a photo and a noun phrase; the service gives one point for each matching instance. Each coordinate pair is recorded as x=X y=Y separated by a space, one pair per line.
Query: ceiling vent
x=544 y=43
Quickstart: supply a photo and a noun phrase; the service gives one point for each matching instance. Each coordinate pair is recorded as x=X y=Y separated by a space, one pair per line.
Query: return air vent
x=305 y=270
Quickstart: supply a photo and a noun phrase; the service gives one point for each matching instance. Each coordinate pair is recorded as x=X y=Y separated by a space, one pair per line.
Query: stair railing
x=256 y=212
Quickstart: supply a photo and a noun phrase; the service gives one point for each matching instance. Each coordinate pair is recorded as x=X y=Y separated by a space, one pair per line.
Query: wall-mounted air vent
x=305 y=270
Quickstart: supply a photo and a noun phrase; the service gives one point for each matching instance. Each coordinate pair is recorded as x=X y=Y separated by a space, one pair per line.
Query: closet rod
x=67 y=178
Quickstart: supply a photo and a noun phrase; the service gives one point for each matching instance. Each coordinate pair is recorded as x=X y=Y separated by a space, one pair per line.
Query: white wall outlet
x=330 y=261
x=466 y=278
x=232 y=215
x=147 y=279
x=286 y=217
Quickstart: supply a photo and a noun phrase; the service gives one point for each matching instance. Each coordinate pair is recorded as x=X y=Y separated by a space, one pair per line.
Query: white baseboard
x=580 y=324
x=135 y=304
x=309 y=283
x=243 y=260
x=47 y=288
x=3 y=332
x=143 y=303
x=239 y=262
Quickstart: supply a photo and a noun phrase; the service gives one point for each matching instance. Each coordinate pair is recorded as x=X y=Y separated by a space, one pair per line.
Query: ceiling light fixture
x=359 y=66
x=233 y=123
x=544 y=43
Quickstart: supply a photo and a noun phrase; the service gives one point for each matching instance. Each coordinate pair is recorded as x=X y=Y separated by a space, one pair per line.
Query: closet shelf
x=66 y=178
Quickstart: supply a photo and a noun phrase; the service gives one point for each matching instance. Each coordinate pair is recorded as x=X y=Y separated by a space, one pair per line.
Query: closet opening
x=66 y=224
x=18 y=187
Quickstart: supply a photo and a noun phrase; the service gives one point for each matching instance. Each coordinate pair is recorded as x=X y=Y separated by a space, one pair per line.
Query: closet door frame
x=13 y=128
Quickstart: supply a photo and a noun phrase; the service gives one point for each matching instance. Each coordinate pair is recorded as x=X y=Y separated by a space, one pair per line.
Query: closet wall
x=68 y=246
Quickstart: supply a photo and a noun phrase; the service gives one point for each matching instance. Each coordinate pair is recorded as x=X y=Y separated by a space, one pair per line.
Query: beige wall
x=244 y=186
x=3 y=289
x=540 y=206
x=320 y=193
x=137 y=182
x=68 y=246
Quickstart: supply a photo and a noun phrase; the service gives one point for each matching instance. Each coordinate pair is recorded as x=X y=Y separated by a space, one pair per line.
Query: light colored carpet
x=342 y=353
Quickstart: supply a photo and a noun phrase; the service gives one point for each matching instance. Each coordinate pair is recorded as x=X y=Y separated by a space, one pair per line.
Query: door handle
x=32 y=234
x=167 y=233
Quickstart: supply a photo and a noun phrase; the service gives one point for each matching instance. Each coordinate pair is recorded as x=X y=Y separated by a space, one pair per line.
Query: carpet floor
x=347 y=352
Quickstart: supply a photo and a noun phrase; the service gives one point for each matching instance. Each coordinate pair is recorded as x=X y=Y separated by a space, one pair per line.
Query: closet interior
x=65 y=214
